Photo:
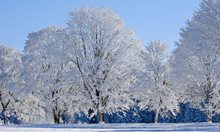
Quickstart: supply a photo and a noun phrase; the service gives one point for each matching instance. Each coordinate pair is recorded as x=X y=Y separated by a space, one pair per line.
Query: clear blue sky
x=150 y=19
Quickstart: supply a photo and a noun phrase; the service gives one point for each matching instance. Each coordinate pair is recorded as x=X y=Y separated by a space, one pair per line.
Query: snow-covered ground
x=113 y=127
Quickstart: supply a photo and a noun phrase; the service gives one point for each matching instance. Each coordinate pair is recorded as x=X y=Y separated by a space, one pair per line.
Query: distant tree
x=196 y=60
x=104 y=53
x=157 y=94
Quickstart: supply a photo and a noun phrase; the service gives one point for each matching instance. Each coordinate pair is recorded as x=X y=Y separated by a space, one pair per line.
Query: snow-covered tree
x=10 y=65
x=196 y=60
x=104 y=53
x=12 y=95
x=46 y=73
x=157 y=93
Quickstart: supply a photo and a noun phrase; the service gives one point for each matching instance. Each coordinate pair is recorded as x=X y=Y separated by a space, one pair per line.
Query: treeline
x=95 y=70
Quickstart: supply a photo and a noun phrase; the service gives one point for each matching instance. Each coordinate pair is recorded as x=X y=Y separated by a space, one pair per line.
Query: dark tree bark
x=4 y=108
x=56 y=116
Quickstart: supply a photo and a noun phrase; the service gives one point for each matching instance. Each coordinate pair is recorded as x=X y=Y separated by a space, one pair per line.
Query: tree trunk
x=100 y=114
x=101 y=117
x=56 y=117
x=5 y=120
x=156 y=115
x=209 y=118
x=4 y=108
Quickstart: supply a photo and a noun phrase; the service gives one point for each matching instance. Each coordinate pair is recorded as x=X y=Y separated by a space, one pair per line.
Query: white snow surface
x=113 y=127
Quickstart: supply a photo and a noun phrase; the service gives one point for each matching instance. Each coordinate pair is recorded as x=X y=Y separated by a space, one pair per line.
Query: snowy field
x=113 y=127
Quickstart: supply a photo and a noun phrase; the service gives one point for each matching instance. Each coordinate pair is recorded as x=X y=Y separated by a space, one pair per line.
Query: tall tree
x=157 y=94
x=46 y=73
x=196 y=59
x=104 y=53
